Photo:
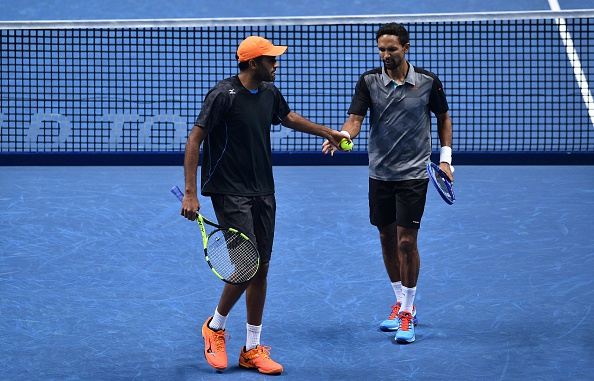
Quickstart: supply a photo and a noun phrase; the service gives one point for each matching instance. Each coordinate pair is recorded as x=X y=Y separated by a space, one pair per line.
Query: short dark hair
x=246 y=64
x=394 y=29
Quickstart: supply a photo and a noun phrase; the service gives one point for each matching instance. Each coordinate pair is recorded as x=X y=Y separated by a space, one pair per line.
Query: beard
x=266 y=76
x=392 y=63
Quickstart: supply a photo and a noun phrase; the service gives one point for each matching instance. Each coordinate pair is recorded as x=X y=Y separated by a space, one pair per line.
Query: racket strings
x=438 y=179
x=442 y=183
x=233 y=257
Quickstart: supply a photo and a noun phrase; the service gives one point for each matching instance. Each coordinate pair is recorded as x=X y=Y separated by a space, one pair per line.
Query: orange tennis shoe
x=258 y=358
x=214 y=346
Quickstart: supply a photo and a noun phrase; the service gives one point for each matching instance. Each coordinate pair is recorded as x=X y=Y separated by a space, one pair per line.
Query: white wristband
x=445 y=155
x=346 y=133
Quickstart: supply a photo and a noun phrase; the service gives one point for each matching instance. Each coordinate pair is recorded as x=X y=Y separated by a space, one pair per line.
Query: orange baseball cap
x=256 y=46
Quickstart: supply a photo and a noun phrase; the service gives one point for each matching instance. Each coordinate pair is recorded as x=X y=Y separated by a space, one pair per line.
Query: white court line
x=574 y=60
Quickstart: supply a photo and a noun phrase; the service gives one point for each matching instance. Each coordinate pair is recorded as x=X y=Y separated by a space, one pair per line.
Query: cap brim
x=276 y=51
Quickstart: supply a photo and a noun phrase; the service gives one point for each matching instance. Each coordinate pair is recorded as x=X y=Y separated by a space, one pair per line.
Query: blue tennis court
x=102 y=279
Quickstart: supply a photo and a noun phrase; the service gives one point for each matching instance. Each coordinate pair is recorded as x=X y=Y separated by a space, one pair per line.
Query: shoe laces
x=220 y=337
x=261 y=350
x=405 y=320
x=395 y=310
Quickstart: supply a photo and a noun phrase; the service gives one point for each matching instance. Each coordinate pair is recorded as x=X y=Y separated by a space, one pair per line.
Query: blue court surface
x=102 y=279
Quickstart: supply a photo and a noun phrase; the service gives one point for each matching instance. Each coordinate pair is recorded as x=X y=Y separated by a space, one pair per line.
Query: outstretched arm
x=301 y=124
x=352 y=126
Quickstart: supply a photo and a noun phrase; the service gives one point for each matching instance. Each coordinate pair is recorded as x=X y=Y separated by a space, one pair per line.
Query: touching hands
x=338 y=136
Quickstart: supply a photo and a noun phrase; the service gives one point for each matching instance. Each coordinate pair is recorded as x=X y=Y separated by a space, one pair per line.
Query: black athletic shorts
x=253 y=216
x=402 y=202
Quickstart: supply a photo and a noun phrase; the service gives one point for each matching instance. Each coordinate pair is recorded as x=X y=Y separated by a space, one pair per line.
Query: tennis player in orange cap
x=236 y=173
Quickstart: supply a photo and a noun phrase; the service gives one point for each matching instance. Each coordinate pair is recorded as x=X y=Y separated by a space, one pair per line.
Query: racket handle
x=177 y=192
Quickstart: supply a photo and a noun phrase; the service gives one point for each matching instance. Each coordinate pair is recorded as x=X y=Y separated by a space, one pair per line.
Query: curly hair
x=394 y=29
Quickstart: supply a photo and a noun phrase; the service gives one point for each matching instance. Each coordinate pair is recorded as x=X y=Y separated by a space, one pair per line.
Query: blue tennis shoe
x=406 y=331
x=392 y=323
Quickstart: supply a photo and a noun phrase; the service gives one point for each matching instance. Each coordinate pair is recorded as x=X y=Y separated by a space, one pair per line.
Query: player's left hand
x=448 y=169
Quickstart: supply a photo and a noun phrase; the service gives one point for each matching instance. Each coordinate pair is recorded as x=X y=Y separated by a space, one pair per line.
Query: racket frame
x=448 y=197
x=201 y=220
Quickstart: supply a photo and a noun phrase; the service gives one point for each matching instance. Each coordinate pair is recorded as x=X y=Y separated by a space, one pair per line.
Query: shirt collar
x=410 y=76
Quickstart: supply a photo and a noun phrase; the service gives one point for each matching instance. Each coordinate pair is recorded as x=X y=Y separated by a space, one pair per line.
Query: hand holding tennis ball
x=346 y=145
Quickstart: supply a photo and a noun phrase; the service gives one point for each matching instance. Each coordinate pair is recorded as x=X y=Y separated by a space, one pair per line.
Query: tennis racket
x=442 y=183
x=231 y=255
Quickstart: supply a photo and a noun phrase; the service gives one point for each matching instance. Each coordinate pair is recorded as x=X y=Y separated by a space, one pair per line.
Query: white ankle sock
x=397 y=286
x=408 y=298
x=253 y=336
x=218 y=321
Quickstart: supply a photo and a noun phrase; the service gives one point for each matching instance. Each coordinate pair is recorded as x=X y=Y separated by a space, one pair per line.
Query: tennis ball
x=346 y=145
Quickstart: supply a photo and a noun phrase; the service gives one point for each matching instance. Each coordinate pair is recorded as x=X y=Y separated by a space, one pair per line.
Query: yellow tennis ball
x=346 y=145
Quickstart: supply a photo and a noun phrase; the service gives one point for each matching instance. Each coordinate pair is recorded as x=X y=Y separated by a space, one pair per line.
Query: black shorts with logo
x=402 y=202
x=254 y=216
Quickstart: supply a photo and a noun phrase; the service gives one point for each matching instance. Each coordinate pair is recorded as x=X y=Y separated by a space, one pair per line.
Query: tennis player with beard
x=233 y=128
x=400 y=98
